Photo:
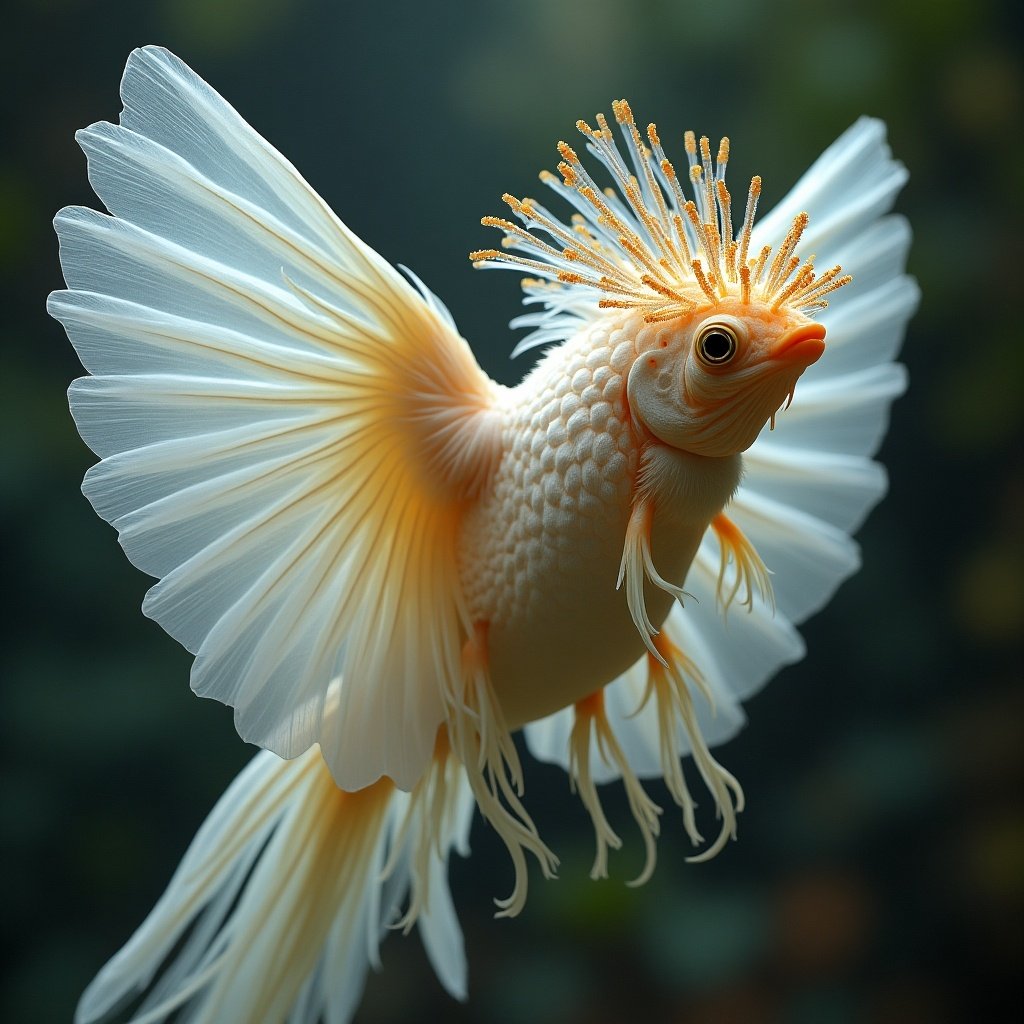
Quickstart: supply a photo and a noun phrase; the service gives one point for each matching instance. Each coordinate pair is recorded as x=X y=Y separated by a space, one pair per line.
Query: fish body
x=550 y=525
x=387 y=564
x=540 y=551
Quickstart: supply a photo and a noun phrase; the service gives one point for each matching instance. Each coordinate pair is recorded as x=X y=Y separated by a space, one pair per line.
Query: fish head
x=707 y=382
x=721 y=330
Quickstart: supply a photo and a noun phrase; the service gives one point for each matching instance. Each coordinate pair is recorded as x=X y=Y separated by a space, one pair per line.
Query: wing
x=286 y=428
x=809 y=483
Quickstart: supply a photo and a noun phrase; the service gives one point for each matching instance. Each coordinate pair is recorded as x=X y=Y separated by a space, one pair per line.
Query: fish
x=389 y=565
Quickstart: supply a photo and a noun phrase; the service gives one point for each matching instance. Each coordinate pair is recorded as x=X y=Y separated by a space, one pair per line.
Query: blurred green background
x=880 y=872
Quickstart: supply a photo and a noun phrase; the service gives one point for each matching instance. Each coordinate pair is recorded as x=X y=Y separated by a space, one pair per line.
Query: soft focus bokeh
x=879 y=875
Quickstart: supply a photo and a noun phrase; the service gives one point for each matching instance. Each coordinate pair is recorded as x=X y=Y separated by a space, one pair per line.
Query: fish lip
x=803 y=345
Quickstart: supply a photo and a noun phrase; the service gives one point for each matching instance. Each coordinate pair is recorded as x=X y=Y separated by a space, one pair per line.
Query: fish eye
x=716 y=344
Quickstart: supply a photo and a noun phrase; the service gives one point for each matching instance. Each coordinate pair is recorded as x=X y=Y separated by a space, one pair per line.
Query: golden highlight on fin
x=481 y=740
x=750 y=575
x=591 y=728
x=669 y=678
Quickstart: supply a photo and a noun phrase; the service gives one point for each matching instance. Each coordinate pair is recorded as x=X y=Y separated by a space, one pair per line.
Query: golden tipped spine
x=643 y=245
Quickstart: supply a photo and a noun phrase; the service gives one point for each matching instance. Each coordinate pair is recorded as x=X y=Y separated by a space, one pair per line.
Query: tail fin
x=284 y=895
x=287 y=429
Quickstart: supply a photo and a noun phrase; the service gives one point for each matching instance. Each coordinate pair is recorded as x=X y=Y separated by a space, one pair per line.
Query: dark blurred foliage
x=880 y=872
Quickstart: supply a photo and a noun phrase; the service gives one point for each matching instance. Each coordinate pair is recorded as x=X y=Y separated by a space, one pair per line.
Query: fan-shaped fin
x=288 y=429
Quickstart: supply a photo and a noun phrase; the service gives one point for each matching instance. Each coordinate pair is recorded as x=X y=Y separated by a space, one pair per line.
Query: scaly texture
x=534 y=548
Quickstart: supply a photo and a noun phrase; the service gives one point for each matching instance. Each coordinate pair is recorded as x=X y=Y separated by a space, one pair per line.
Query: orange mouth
x=803 y=345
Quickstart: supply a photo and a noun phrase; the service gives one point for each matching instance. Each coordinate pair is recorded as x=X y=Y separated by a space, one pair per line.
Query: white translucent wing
x=206 y=884
x=808 y=484
x=280 y=905
x=851 y=185
x=285 y=425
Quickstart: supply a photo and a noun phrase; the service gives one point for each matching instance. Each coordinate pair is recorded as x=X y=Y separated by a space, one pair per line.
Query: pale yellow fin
x=481 y=740
x=750 y=576
x=288 y=429
x=637 y=566
x=592 y=732
x=670 y=678
x=422 y=435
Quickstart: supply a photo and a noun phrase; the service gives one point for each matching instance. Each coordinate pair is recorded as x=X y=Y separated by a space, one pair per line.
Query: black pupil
x=717 y=346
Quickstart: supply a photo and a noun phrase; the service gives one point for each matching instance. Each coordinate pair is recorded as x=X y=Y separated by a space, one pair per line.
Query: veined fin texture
x=288 y=429
x=281 y=901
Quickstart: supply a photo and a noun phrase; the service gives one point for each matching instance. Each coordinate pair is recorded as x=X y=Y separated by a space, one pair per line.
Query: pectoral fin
x=288 y=429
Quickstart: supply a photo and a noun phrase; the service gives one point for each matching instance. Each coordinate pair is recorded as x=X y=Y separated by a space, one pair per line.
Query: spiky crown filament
x=646 y=246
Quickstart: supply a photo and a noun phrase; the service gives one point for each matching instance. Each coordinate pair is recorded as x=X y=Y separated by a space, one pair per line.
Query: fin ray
x=289 y=429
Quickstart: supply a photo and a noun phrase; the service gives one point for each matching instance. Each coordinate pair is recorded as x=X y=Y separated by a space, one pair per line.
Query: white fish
x=387 y=563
